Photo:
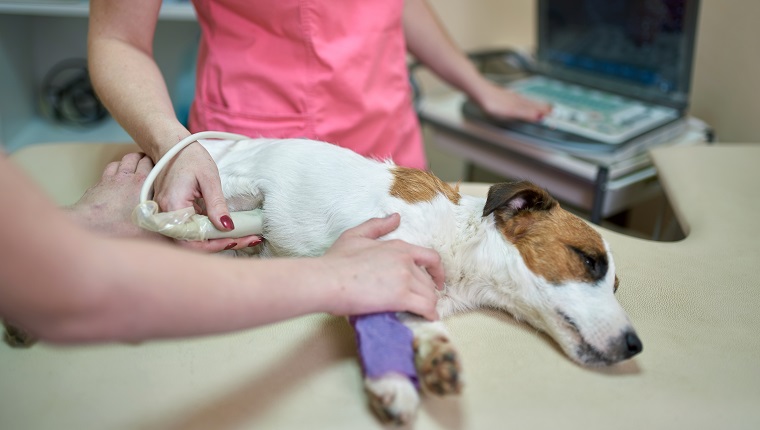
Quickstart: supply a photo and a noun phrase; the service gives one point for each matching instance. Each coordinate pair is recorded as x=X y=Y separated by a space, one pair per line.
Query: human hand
x=192 y=179
x=502 y=103
x=378 y=276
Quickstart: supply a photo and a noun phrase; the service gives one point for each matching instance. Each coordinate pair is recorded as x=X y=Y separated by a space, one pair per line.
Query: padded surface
x=694 y=303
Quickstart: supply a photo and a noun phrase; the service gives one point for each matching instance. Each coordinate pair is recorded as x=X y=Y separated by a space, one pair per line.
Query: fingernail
x=227 y=222
x=230 y=246
x=254 y=242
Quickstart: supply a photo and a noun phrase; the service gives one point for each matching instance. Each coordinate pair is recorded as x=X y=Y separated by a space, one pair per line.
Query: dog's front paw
x=438 y=366
x=17 y=338
x=393 y=398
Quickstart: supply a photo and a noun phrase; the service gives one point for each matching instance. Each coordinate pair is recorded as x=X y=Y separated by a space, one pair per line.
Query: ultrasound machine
x=615 y=72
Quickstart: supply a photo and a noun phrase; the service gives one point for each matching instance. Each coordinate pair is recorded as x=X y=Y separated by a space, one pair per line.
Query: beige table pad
x=695 y=304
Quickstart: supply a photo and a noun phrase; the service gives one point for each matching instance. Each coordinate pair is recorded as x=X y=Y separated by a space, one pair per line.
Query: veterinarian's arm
x=63 y=283
x=130 y=84
x=429 y=42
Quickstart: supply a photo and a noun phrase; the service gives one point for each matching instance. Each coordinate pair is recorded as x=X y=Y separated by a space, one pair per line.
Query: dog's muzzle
x=618 y=349
x=631 y=345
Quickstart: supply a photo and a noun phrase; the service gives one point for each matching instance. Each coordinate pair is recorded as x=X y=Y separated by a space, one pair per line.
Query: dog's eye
x=595 y=266
x=588 y=261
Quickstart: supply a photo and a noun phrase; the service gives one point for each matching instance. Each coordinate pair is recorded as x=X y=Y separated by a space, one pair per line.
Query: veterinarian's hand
x=192 y=179
x=377 y=276
x=501 y=103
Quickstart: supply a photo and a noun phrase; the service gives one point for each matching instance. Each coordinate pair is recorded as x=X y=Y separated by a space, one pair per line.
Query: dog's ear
x=511 y=198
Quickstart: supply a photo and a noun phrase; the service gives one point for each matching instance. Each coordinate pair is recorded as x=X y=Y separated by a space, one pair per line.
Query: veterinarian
x=280 y=69
x=66 y=283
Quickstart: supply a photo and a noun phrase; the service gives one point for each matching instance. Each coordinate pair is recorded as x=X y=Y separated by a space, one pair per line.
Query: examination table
x=695 y=304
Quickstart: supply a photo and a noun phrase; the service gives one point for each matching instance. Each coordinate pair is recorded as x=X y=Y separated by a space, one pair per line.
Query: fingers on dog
x=424 y=292
x=218 y=245
x=424 y=258
x=375 y=227
x=210 y=246
x=430 y=261
x=422 y=306
x=216 y=205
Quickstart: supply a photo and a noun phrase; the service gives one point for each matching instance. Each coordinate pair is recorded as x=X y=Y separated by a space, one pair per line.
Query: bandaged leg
x=385 y=346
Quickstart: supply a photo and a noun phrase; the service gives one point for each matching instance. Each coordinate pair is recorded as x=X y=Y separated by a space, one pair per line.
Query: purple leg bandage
x=385 y=345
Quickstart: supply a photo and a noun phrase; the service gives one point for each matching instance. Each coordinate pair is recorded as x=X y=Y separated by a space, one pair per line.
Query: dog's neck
x=482 y=267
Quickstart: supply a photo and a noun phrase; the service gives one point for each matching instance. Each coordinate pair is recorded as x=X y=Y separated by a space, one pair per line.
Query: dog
x=516 y=250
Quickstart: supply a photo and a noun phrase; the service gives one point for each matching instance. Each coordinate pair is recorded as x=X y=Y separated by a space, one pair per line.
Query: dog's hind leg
x=438 y=365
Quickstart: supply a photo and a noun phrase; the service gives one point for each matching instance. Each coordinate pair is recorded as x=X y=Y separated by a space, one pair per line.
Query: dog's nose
x=633 y=344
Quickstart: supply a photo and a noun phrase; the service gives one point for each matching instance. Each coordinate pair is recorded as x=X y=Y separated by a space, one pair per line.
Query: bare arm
x=65 y=284
x=126 y=76
x=130 y=84
x=428 y=41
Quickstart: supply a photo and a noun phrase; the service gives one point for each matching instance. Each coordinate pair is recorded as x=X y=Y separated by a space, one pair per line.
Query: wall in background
x=488 y=23
x=726 y=90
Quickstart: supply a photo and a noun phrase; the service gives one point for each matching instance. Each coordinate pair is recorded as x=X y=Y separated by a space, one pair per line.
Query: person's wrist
x=327 y=274
x=163 y=140
x=481 y=90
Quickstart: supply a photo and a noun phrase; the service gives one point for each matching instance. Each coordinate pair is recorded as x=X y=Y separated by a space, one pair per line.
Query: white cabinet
x=36 y=36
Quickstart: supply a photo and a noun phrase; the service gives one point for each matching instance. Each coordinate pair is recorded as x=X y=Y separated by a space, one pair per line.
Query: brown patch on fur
x=554 y=243
x=546 y=240
x=414 y=186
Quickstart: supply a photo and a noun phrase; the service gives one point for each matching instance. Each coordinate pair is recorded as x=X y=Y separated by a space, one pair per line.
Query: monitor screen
x=629 y=44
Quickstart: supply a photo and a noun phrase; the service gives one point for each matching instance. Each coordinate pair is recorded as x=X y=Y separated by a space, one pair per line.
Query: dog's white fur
x=311 y=192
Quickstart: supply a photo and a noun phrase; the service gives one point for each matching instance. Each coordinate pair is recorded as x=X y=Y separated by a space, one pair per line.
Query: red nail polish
x=230 y=246
x=227 y=222
x=255 y=242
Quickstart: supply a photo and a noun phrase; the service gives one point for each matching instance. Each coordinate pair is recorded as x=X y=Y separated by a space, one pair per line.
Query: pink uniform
x=325 y=70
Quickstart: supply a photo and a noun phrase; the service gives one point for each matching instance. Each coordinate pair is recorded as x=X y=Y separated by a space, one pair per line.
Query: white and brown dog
x=516 y=250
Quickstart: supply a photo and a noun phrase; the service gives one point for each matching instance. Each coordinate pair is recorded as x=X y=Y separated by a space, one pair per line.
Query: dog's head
x=565 y=277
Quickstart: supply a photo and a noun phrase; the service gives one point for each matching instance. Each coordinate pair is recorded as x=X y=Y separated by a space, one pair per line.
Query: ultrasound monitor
x=637 y=48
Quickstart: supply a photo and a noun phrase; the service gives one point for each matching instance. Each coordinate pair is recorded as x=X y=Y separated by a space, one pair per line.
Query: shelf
x=39 y=130
x=175 y=11
x=58 y=30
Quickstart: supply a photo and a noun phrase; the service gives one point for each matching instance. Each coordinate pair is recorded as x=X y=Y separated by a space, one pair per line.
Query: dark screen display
x=645 y=42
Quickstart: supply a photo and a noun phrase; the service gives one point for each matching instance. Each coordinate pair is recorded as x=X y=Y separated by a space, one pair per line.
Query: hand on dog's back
x=376 y=276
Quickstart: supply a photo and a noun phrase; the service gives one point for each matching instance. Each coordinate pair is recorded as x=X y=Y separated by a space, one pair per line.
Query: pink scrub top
x=325 y=70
